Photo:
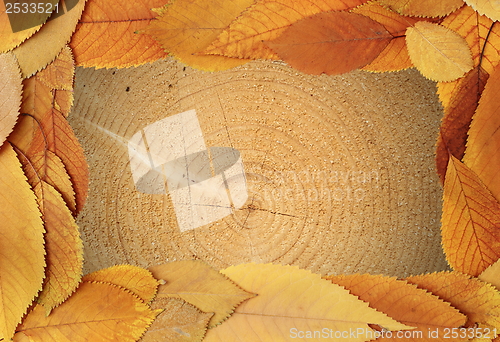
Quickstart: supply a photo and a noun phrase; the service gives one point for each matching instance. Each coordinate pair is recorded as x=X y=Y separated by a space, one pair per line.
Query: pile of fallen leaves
x=44 y=179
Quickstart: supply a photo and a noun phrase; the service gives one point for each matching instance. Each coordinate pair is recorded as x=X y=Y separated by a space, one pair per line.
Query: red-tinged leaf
x=482 y=154
x=476 y=299
x=106 y=34
x=470 y=221
x=457 y=117
x=59 y=138
x=266 y=20
x=331 y=43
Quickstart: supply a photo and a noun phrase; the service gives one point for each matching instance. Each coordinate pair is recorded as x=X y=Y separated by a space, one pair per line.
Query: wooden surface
x=339 y=170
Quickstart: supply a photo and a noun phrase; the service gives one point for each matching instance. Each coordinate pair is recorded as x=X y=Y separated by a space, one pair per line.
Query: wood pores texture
x=339 y=170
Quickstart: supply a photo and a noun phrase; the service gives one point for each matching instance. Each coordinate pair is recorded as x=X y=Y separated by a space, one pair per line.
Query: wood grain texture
x=339 y=170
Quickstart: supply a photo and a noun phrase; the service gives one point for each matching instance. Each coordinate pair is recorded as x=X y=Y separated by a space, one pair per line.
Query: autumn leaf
x=403 y=302
x=199 y=284
x=482 y=154
x=135 y=279
x=470 y=221
x=179 y=322
x=489 y=8
x=95 y=312
x=45 y=45
x=105 y=35
x=439 y=53
x=492 y=275
x=476 y=299
x=395 y=56
x=483 y=38
x=22 y=255
x=186 y=27
x=457 y=117
x=265 y=21
x=10 y=94
x=290 y=300
x=423 y=8
x=63 y=246
x=331 y=43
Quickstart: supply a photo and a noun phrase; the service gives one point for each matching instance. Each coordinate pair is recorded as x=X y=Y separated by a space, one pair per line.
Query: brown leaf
x=482 y=154
x=187 y=27
x=423 y=8
x=22 y=254
x=470 y=221
x=331 y=43
x=266 y=20
x=63 y=246
x=405 y=303
x=199 y=284
x=439 y=53
x=106 y=34
x=45 y=45
x=95 y=312
x=10 y=94
x=135 y=279
x=179 y=322
x=478 y=300
x=457 y=117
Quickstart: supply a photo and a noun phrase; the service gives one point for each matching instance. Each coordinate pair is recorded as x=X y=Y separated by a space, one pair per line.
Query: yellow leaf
x=266 y=20
x=405 y=303
x=22 y=255
x=105 y=35
x=10 y=94
x=186 y=27
x=45 y=45
x=16 y=28
x=199 y=284
x=492 y=274
x=489 y=8
x=95 y=312
x=423 y=8
x=63 y=245
x=135 y=279
x=291 y=302
x=476 y=299
x=179 y=322
x=439 y=53
x=482 y=154
x=470 y=221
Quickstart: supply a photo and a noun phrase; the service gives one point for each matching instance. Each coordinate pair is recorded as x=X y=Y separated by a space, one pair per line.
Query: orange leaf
x=470 y=221
x=187 y=27
x=105 y=35
x=22 y=254
x=135 y=279
x=482 y=154
x=10 y=94
x=331 y=43
x=63 y=245
x=266 y=20
x=457 y=117
x=179 y=321
x=439 y=53
x=423 y=8
x=95 y=312
x=45 y=45
x=199 y=284
x=478 y=300
x=489 y=8
x=395 y=56
x=403 y=302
